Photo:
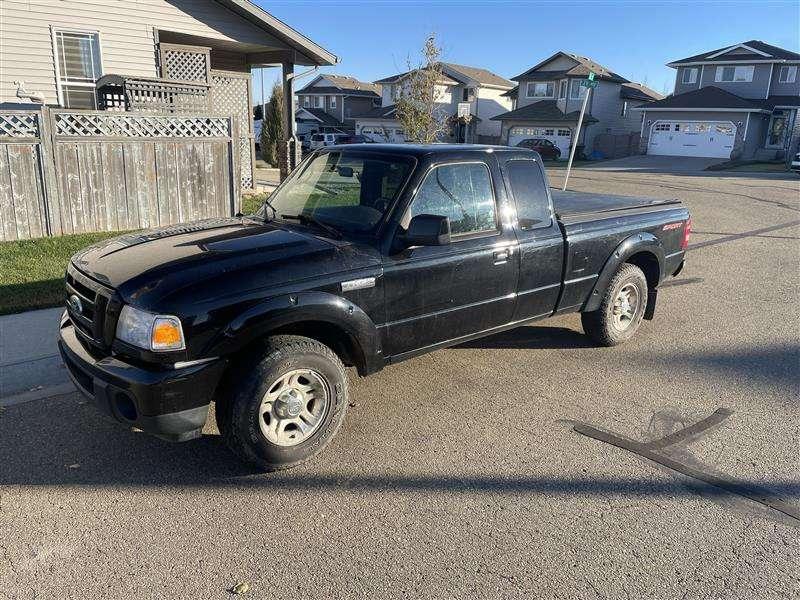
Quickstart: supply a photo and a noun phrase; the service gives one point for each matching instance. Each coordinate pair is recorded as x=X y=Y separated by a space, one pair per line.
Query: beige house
x=58 y=51
x=482 y=91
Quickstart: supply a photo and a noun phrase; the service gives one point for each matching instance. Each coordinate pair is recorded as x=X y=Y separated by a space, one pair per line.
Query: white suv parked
x=320 y=140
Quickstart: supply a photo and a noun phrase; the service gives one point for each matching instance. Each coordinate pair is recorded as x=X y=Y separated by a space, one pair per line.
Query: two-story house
x=334 y=102
x=549 y=96
x=738 y=103
x=482 y=90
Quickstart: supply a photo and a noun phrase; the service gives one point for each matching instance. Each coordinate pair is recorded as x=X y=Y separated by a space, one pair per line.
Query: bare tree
x=419 y=105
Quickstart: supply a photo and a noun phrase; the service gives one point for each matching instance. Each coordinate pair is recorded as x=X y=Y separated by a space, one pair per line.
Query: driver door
x=435 y=294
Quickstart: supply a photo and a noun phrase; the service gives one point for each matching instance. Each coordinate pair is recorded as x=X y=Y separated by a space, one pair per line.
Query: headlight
x=149 y=331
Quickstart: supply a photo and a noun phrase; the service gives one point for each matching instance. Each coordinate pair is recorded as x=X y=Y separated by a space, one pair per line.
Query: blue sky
x=634 y=38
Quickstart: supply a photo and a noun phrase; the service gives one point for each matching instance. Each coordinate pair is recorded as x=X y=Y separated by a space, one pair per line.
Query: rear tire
x=287 y=406
x=621 y=310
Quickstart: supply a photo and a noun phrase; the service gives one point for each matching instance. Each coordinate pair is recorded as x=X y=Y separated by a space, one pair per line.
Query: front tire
x=621 y=309
x=287 y=406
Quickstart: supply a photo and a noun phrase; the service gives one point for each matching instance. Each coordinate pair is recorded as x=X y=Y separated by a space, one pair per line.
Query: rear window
x=527 y=187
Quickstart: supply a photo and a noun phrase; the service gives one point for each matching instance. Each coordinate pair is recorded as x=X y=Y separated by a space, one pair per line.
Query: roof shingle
x=774 y=52
x=544 y=110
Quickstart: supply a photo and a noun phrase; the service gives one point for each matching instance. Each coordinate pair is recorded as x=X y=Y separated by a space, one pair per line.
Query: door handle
x=501 y=256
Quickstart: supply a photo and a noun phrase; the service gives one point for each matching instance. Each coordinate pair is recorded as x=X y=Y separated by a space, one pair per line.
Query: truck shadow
x=532 y=338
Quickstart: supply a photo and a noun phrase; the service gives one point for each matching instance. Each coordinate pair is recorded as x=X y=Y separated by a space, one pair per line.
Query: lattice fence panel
x=79 y=124
x=231 y=95
x=19 y=125
x=185 y=63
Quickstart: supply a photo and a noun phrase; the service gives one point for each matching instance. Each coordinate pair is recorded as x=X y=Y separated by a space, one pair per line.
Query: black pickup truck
x=367 y=255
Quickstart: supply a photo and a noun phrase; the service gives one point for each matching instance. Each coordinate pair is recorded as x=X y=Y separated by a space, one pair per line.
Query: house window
x=562 y=89
x=395 y=90
x=624 y=111
x=689 y=76
x=575 y=89
x=307 y=101
x=78 y=67
x=788 y=74
x=319 y=101
x=540 y=89
x=731 y=73
x=333 y=101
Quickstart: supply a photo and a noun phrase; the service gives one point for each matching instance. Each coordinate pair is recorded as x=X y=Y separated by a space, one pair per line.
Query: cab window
x=461 y=192
x=527 y=187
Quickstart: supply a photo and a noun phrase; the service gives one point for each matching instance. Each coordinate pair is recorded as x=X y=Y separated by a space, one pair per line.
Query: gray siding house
x=548 y=100
x=738 y=102
x=484 y=92
x=334 y=102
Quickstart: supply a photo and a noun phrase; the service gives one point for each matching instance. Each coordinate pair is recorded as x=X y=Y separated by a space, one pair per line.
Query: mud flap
x=650 y=311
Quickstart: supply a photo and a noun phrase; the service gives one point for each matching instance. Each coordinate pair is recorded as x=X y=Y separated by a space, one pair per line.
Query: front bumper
x=171 y=403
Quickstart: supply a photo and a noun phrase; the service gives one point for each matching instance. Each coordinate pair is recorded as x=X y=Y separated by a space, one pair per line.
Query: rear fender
x=639 y=242
x=258 y=321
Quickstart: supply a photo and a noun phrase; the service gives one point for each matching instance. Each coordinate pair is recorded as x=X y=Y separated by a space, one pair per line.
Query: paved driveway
x=458 y=474
x=655 y=164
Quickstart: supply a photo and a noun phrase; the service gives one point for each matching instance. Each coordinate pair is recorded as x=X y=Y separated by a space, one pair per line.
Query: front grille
x=96 y=320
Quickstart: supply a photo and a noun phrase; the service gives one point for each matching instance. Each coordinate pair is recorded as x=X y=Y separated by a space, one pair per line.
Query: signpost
x=589 y=83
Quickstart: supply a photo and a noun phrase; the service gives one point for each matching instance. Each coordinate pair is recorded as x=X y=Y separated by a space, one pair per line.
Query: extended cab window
x=463 y=193
x=530 y=194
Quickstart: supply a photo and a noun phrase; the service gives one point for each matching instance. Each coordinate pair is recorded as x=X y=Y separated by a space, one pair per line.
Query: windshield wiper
x=309 y=219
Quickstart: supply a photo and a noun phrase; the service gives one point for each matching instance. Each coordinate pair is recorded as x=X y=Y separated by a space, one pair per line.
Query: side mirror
x=428 y=230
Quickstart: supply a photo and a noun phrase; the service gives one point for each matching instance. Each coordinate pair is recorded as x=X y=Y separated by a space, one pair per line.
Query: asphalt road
x=458 y=474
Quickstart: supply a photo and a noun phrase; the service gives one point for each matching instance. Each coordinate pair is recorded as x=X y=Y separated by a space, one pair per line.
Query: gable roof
x=754 y=50
x=454 y=74
x=581 y=69
x=481 y=76
x=380 y=112
x=544 y=110
x=322 y=116
x=637 y=91
x=316 y=54
x=706 y=98
x=344 y=84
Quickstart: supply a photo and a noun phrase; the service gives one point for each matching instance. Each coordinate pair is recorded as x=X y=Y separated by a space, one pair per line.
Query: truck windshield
x=349 y=191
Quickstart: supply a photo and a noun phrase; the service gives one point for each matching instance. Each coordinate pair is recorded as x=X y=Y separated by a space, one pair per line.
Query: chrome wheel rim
x=625 y=306
x=294 y=407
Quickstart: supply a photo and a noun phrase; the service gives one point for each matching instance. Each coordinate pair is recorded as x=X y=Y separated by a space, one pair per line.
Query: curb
x=38 y=394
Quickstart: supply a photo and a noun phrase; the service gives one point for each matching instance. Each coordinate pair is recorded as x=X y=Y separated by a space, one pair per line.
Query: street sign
x=589 y=83
x=591 y=75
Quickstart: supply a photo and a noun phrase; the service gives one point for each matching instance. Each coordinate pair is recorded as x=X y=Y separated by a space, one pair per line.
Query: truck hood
x=206 y=260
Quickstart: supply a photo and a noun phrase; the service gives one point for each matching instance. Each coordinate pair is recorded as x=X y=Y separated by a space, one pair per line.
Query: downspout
x=746 y=125
x=769 y=83
x=700 y=78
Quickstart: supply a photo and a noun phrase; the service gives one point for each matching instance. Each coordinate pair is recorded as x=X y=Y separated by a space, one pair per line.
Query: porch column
x=290 y=151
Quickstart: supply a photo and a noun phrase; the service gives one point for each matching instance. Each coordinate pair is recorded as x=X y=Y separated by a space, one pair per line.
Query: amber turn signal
x=167 y=334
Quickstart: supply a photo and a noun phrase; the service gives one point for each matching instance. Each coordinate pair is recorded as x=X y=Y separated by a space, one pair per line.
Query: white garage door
x=713 y=139
x=560 y=136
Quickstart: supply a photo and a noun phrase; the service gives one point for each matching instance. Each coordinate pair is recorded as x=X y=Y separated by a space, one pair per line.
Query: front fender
x=259 y=320
x=638 y=242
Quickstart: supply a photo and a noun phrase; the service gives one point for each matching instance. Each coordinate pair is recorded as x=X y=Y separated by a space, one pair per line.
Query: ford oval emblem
x=75 y=304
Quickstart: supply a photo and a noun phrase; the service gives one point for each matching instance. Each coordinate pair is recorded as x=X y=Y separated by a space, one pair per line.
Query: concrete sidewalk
x=30 y=366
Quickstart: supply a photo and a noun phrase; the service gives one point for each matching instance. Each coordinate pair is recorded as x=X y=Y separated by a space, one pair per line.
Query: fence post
x=50 y=190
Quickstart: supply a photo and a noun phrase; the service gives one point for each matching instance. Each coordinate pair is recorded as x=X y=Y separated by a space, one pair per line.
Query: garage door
x=560 y=136
x=713 y=139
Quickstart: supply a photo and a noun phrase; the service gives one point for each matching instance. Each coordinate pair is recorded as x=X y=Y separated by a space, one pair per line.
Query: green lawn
x=32 y=271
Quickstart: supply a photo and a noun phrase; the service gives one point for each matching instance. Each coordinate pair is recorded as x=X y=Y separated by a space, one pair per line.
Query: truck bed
x=582 y=206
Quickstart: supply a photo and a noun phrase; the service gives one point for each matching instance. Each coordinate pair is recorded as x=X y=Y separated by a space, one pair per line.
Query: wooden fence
x=65 y=171
x=617 y=145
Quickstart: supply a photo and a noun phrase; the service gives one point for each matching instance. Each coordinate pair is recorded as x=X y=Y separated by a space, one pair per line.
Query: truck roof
x=418 y=150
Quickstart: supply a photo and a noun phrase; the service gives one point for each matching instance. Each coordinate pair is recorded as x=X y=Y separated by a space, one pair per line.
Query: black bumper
x=169 y=403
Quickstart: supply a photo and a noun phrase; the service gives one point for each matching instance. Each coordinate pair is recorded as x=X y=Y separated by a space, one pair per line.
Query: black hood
x=206 y=260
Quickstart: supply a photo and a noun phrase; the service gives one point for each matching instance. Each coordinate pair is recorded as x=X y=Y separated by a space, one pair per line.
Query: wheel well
x=648 y=263
x=337 y=339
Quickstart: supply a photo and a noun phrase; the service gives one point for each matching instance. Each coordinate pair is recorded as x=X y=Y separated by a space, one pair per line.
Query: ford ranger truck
x=367 y=255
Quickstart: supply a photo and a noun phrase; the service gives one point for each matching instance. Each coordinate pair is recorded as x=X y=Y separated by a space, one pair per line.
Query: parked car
x=796 y=163
x=320 y=140
x=354 y=139
x=547 y=149
x=262 y=314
